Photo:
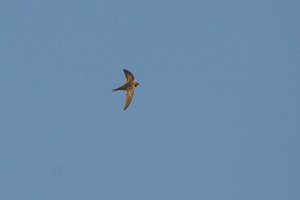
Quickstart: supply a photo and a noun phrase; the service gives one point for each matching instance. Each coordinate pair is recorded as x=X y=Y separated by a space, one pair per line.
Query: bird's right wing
x=129 y=76
x=129 y=96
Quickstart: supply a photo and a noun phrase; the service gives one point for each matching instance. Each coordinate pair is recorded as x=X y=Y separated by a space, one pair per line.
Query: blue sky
x=216 y=115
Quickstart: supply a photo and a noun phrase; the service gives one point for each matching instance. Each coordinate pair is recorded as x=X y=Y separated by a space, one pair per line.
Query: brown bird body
x=129 y=86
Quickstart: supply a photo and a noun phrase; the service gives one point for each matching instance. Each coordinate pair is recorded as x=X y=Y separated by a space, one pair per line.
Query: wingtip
x=125 y=108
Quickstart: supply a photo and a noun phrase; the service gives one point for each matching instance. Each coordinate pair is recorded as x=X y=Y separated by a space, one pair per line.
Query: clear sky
x=217 y=115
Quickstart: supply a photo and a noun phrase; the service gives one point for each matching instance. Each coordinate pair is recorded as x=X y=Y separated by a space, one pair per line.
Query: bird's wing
x=129 y=96
x=129 y=76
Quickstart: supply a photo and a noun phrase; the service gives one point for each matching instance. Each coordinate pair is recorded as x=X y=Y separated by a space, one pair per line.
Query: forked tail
x=119 y=88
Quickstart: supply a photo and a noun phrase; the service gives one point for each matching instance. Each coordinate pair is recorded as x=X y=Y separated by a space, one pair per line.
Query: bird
x=129 y=86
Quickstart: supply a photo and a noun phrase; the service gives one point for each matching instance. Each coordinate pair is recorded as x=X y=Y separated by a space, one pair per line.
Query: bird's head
x=136 y=84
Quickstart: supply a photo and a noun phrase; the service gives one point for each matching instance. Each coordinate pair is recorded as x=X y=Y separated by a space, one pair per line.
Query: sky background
x=217 y=114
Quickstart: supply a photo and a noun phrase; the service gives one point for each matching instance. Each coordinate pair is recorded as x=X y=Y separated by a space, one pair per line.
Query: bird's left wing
x=129 y=96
